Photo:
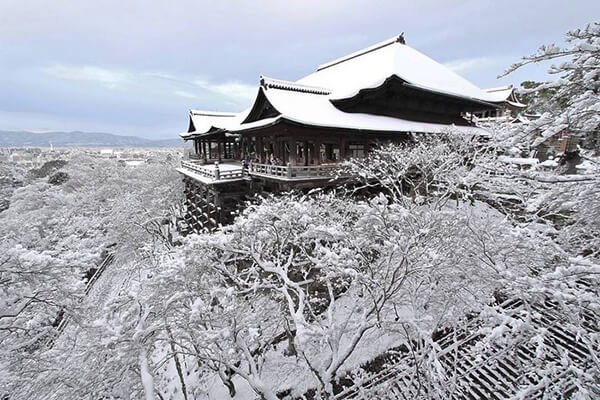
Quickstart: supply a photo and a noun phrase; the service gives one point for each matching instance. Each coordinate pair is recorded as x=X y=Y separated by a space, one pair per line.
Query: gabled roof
x=204 y=122
x=370 y=67
x=317 y=110
x=505 y=94
x=293 y=86
x=309 y=100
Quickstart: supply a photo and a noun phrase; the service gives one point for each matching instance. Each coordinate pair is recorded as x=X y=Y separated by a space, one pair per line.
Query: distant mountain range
x=88 y=139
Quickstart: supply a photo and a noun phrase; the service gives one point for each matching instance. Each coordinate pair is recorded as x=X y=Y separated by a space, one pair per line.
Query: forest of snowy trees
x=313 y=295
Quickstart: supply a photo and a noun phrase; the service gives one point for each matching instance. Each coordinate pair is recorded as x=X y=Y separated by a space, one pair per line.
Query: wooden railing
x=231 y=174
x=276 y=171
x=293 y=171
x=213 y=173
x=209 y=161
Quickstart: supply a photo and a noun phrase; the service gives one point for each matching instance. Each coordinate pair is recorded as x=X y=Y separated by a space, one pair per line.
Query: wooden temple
x=295 y=134
x=509 y=110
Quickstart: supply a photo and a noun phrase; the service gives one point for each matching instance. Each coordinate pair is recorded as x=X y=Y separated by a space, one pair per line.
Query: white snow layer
x=364 y=69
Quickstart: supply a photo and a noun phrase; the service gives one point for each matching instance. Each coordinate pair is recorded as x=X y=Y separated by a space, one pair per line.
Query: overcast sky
x=135 y=67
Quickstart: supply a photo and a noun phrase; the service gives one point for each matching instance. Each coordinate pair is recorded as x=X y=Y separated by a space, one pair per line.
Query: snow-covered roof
x=505 y=94
x=551 y=131
x=317 y=110
x=294 y=86
x=370 y=67
x=518 y=160
x=208 y=121
x=309 y=100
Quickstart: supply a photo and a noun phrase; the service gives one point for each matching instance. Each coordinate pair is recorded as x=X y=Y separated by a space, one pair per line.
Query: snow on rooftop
x=518 y=160
x=287 y=85
x=370 y=67
x=212 y=113
x=207 y=121
x=504 y=94
x=314 y=109
x=308 y=100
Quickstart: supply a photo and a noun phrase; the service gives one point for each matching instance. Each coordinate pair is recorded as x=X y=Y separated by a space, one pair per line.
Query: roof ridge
x=498 y=88
x=212 y=113
x=396 y=39
x=273 y=83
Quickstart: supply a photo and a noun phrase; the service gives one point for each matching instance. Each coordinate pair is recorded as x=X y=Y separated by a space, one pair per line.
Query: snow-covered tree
x=313 y=286
x=577 y=89
x=550 y=229
x=53 y=238
x=425 y=169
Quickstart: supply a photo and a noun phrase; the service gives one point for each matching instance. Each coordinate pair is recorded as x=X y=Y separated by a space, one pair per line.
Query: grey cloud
x=78 y=56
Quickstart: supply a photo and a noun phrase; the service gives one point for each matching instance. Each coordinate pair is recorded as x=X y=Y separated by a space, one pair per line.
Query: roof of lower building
x=505 y=94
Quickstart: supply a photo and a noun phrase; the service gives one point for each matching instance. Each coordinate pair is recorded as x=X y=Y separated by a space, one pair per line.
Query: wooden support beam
x=305 y=149
x=293 y=151
x=260 y=150
x=329 y=151
x=274 y=149
x=317 y=156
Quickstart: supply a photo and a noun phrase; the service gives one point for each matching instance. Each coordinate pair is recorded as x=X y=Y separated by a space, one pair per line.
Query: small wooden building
x=509 y=110
x=295 y=134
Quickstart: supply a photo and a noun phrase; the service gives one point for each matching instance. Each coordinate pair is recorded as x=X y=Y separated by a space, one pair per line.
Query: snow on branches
x=577 y=89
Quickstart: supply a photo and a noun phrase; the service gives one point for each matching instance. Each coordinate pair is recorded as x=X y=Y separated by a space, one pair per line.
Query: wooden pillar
x=293 y=151
x=204 y=157
x=305 y=148
x=343 y=144
x=281 y=150
x=260 y=150
x=209 y=145
x=219 y=150
x=317 y=152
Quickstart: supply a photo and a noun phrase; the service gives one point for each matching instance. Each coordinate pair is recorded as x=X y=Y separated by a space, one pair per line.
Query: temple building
x=509 y=110
x=295 y=134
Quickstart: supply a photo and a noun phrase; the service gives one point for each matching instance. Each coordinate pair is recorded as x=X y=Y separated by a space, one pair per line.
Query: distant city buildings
x=34 y=157
x=30 y=156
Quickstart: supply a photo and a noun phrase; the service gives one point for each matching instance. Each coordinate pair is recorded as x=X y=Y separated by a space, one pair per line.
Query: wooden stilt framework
x=497 y=371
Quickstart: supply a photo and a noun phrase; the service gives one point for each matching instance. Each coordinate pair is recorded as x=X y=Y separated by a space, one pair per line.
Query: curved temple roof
x=204 y=122
x=505 y=94
x=317 y=110
x=370 y=67
x=309 y=100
